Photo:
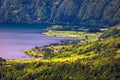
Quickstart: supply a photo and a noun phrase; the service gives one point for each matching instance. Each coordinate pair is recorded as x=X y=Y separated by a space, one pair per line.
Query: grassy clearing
x=76 y=34
x=72 y=58
x=23 y=61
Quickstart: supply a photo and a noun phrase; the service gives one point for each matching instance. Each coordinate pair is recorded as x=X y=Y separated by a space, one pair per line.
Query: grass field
x=76 y=34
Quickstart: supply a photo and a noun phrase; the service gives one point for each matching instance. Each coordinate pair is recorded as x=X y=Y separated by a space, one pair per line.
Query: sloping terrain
x=77 y=12
x=99 y=60
x=112 y=32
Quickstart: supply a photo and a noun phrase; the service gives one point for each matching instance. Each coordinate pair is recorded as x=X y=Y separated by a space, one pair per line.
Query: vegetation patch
x=82 y=34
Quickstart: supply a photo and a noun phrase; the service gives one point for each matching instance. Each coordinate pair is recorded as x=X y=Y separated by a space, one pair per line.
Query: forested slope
x=77 y=12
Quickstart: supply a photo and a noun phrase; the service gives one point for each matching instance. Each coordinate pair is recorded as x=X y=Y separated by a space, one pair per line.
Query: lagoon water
x=14 y=38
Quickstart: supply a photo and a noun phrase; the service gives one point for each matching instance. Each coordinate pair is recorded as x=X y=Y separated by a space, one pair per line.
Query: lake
x=14 y=38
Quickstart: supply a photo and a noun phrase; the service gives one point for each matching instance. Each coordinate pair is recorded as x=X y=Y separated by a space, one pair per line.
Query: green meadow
x=75 y=34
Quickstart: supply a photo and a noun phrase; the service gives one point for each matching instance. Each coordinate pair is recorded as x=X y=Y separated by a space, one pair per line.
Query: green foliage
x=98 y=60
x=112 y=32
x=2 y=60
x=78 y=12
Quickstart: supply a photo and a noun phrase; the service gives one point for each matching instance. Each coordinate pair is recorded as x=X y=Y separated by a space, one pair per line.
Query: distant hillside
x=79 y=12
x=112 y=32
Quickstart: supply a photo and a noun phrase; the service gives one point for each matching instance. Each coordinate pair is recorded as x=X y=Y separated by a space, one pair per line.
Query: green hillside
x=112 y=32
x=98 y=60
x=72 y=12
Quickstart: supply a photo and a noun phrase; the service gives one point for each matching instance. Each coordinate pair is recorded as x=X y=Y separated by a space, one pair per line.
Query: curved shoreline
x=53 y=40
x=61 y=42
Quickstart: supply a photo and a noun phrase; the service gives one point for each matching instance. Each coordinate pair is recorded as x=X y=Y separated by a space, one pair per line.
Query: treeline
x=74 y=28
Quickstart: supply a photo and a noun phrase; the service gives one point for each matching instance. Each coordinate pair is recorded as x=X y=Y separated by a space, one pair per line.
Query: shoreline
x=57 y=43
x=62 y=42
x=70 y=34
